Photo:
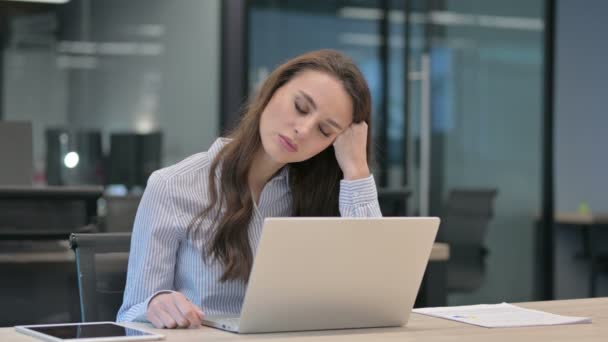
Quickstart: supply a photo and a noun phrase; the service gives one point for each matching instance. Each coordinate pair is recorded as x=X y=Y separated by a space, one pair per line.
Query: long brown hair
x=314 y=183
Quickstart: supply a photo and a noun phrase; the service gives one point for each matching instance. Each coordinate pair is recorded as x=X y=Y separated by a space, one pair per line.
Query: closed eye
x=299 y=108
x=324 y=132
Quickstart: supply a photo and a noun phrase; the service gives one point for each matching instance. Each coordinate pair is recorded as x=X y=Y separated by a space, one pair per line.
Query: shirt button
x=356 y=194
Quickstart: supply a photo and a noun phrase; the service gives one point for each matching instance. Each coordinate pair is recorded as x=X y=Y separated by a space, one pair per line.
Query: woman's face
x=304 y=117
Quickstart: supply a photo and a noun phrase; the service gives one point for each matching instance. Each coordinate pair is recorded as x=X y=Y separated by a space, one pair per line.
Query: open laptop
x=334 y=273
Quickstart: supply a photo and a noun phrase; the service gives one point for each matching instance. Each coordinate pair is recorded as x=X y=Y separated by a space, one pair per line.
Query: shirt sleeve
x=154 y=245
x=359 y=198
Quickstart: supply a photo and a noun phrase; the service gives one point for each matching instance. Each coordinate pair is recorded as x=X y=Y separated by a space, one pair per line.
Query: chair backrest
x=467 y=215
x=101 y=264
x=464 y=225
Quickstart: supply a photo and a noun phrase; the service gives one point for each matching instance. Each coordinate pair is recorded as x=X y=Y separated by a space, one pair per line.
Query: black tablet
x=87 y=332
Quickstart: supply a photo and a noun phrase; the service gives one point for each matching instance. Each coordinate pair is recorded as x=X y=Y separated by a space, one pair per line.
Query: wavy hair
x=314 y=183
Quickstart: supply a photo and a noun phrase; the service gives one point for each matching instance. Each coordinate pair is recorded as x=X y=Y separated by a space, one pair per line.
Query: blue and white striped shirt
x=165 y=257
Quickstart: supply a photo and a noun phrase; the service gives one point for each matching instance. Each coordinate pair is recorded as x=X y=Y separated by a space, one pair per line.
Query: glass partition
x=457 y=87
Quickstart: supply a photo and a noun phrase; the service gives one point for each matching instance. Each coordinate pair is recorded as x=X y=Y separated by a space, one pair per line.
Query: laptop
x=334 y=273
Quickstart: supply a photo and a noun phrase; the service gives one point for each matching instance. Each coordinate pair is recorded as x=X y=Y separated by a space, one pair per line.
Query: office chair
x=464 y=223
x=133 y=157
x=101 y=264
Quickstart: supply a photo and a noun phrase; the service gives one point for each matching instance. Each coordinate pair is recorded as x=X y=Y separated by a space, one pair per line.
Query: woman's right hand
x=173 y=310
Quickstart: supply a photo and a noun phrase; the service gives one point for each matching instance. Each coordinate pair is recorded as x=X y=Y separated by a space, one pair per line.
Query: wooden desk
x=420 y=328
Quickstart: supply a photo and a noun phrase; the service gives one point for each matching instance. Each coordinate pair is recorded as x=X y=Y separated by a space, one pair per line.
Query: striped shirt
x=166 y=257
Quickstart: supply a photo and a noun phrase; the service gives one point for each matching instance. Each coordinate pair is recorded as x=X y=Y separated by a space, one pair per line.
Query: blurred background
x=489 y=114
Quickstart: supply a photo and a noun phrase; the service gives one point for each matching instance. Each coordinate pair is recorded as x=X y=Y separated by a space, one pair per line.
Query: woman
x=301 y=149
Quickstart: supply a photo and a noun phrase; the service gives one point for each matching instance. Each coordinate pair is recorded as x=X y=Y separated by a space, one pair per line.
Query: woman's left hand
x=350 y=147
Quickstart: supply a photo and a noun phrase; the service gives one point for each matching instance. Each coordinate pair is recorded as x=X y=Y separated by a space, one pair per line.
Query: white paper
x=500 y=316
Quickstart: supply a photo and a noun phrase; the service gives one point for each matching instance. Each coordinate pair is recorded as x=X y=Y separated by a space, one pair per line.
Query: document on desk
x=502 y=315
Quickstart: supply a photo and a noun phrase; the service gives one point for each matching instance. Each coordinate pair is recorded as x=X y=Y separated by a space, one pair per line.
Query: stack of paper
x=500 y=316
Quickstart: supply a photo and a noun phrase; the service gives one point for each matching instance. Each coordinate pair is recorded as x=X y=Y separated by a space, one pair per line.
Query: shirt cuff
x=358 y=191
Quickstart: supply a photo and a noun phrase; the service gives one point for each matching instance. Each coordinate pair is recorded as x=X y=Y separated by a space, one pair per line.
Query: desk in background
x=36 y=268
x=585 y=223
x=581 y=219
x=593 y=230
x=420 y=328
x=52 y=212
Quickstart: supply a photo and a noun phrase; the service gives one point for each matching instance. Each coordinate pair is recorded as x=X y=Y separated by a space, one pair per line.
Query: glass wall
x=486 y=102
x=458 y=92
x=112 y=74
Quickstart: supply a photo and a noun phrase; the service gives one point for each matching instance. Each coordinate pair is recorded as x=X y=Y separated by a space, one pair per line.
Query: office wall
x=581 y=124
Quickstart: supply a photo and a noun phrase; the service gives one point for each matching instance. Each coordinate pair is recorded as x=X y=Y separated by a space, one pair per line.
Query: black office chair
x=101 y=264
x=464 y=224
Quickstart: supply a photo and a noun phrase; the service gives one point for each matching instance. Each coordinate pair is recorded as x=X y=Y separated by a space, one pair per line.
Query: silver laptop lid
x=334 y=273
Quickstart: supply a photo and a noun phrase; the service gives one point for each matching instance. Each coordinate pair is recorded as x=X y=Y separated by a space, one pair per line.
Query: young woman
x=301 y=149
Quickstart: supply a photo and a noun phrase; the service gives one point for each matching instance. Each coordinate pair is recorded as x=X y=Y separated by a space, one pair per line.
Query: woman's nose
x=304 y=125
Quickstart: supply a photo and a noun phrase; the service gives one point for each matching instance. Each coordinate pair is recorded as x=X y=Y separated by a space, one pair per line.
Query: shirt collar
x=216 y=147
x=283 y=174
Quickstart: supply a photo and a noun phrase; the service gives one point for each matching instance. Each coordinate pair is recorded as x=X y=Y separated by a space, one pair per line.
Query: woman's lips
x=288 y=144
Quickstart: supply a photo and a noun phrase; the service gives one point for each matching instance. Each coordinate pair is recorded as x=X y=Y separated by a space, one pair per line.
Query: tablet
x=87 y=332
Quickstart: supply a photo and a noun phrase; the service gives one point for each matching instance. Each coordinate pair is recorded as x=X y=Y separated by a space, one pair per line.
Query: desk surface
x=583 y=220
x=419 y=328
x=440 y=252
